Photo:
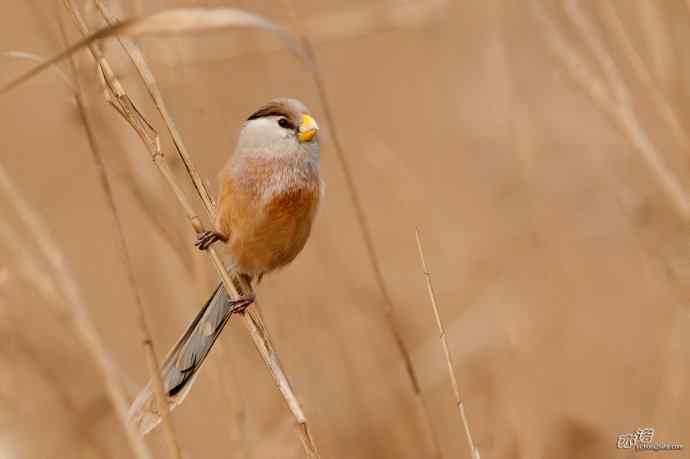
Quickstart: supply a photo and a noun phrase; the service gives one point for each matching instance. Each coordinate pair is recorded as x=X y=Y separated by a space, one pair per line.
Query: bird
x=270 y=190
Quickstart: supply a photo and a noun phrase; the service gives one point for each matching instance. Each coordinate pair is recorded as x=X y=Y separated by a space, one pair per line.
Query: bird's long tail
x=182 y=363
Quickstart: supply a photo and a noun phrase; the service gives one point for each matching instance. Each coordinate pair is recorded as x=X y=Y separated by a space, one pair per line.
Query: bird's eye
x=284 y=123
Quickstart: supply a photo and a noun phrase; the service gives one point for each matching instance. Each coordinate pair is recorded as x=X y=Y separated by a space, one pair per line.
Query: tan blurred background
x=561 y=263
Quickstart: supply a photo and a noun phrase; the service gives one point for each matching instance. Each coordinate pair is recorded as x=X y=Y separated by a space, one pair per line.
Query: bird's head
x=279 y=128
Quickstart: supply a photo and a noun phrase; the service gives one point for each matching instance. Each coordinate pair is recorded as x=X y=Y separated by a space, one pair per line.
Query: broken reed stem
x=146 y=339
x=98 y=55
x=79 y=312
x=137 y=58
x=474 y=451
x=119 y=99
x=619 y=107
x=365 y=231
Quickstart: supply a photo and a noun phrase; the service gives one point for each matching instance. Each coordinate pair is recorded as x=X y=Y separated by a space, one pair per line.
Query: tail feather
x=179 y=370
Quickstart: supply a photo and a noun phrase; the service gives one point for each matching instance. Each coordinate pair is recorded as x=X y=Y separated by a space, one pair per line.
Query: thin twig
x=235 y=288
x=123 y=250
x=474 y=451
x=79 y=312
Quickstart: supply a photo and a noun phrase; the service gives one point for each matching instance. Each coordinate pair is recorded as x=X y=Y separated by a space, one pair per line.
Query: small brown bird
x=270 y=191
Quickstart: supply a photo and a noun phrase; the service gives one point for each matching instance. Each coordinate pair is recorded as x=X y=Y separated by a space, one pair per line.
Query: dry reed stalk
x=119 y=99
x=223 y=371
x=40 y=59
x=222 y=368
x=162 y=230
x=591 y=39
x=137 y=58
x=666 y=110
x=123 y=250
x=254 y=324
x=27 y=265
x=658 y=41
x=586 y=27
x=619 y=108
x=78 y=314
x=365 y=233
x=175 y=20
x=29 y=269
x=474 y=451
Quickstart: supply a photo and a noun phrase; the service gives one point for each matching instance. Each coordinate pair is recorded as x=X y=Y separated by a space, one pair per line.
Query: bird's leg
x=207 y=238
x=238 y=306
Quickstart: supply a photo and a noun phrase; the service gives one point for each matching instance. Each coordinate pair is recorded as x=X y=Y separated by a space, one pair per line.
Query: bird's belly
x=275 y=235
x=265 y=250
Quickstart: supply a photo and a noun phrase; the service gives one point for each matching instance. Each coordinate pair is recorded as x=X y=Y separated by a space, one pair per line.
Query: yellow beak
x=307 y=129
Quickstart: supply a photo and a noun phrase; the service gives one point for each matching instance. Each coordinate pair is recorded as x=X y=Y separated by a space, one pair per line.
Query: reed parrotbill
x=269 y=195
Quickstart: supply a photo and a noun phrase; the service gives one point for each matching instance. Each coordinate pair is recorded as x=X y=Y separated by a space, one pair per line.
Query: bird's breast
x=267 y=216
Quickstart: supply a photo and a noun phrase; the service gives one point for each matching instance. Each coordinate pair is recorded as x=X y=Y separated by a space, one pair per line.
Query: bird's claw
x=240 y=305
x=207 y=238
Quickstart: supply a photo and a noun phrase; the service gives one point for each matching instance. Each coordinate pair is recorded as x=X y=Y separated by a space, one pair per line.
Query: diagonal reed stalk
x=137 y=58
x=40 y=59
x=27 y=266
x=123 y=250
x=166 y=236
x=234 y=286
x=79 y=311
x=618 y=105
x=365 y=232
x=474 y=451
x=643 y=74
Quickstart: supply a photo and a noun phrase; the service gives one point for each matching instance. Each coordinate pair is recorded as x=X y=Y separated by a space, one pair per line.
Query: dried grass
x=172 y=21
x=474 y=451
x=41 y=60
x=123 y=251
x=27 y=266
x=619 y=105
x=79 y=310
x=366 y=234
x=167 y=22
x=503 y=263
x=643 y=74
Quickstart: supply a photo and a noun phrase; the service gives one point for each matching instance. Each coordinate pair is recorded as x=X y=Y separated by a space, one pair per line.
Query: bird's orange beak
x=307 y=129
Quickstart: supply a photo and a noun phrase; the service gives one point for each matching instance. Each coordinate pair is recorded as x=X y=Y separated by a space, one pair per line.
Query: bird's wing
x=182 y=363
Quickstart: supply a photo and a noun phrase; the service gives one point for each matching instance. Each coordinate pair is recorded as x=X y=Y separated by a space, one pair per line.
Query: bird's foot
x=240 y=305
x=207 y=238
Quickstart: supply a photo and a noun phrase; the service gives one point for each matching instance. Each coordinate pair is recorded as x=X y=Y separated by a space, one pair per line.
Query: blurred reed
x=78 y=311
x=366 y=234
x=616 y=101
x=170 y=21
x=122 y=249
